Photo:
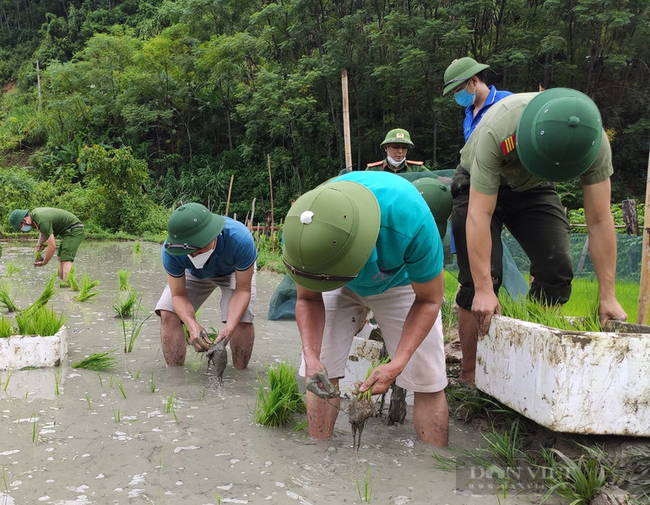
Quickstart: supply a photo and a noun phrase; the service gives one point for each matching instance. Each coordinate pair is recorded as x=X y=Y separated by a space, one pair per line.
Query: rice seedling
x=170 y=406
x=97 y=362
x=116 y=415
x=57 y=380
x=302 y=425
x=88 y=402
x=6 y=328
x=11 y=268
x=132 y=329
x=125 y=307
x=120 y=387
x=41 y=321
x=278 y=397
x=71 y=282
x=9 y=374
x=152 y=384
x=137 y=248
x=6 y=299
x=365 y=493
x=577 y=481
x=362 y=406
x=123 y=280
x=4 y=478
x=86 y=291
x=101 y=381
x=445 y=463
x=506 y=447
x=48 y=292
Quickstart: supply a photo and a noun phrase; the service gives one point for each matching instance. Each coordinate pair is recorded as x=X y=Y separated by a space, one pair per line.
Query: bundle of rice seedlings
x=86 y=289
x=97 y=362
x=362 y=407
x=123 y=280
x=125 y=307
x=46 y=295
x=278 y=397
x=6 y=299
x=72 y=280
x=40 y=321
x=6 y=328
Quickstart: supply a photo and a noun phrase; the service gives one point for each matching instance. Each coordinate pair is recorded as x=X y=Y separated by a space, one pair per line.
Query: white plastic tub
x=23 y=351
x=573 y=382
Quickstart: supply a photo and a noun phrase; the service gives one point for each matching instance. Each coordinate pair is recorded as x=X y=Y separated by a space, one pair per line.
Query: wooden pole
x=268 y=161
x=644 y=284
x=232 y=177
x=346 y=121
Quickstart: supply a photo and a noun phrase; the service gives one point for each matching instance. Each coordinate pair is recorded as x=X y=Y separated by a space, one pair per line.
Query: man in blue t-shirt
x=366 y=242
x=204 y=251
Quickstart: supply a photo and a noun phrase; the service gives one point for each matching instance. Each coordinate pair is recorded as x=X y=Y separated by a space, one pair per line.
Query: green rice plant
x=9 y=374
x=48 y=292
x=170 y=406
x=88 y=401
x=132 y=329
x=101 y=381
x=467 y=403
x=506 y=447
x=123 y=280
x=121 y=388
x=116 y=415
x=301 y=425
x=152 y=384
x=41 y=321
x=446 y=463
x=6 y=328
x=34 y=429
x=57 y=381
x=6 y=299
x=11 y=268
x=278 y=397
x=137 y=248
x=86 y=291
x=97 y=362
x=125 y=307
x=577 y=481
x=366 y=493
x=4 y=478
x=71 y=282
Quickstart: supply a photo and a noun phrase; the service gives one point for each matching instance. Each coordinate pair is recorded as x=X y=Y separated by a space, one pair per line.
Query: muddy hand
x=201 y=342
x=321 y=386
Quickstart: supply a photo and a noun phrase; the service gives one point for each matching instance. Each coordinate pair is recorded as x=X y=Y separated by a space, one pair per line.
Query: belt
x=78 y=225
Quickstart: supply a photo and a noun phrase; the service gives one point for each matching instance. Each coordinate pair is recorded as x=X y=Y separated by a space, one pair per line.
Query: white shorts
x=345 y=314
x=198 y=291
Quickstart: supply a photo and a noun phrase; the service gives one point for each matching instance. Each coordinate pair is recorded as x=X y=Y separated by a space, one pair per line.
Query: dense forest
x=116 y=110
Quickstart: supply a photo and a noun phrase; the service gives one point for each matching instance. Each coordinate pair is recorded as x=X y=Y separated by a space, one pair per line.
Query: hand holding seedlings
x=218 y=357
x=200 y=340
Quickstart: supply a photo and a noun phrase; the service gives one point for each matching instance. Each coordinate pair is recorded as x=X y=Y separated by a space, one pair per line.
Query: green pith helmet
x=329 y=234
x=191 y=227
x=16 y=217
x=398 y=136
x=438 y=198
x=460 y=70
x=559 y=134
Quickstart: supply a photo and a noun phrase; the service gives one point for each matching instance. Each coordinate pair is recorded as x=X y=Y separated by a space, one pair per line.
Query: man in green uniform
x=506 y=176
x=396 y=144
x=52 y=223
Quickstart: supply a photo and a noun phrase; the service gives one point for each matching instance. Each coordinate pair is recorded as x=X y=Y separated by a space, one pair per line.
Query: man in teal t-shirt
x=368 y=242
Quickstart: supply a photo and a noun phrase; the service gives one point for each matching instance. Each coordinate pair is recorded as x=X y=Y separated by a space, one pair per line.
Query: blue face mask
x=26 y=227
x=465 y=99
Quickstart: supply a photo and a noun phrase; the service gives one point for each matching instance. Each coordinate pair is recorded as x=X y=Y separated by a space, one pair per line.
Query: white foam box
x=24 y=351
x=568 y=381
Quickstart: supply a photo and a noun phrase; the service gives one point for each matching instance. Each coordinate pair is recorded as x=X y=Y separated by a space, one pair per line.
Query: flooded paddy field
x=144 y=433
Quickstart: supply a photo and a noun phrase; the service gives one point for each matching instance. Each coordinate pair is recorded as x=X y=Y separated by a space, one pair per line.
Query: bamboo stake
x=268 y=160
x=644 y=284
x=232 y=177
x=346 y=121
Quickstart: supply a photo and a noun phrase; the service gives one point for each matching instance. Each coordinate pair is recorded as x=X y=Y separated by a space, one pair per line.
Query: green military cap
x=16 y=217
x=398 y=136
x=329 y=235
x=559 y=134
x=191 y=227
x=460 y=70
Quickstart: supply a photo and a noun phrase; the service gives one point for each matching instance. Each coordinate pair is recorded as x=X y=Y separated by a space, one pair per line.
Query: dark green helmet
x=398 y=136
x=461 y=70
x=191 y=227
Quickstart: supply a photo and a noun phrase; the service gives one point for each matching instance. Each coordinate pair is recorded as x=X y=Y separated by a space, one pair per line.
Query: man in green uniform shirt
x=52 y=223
x=506 y=176
x=396 y=144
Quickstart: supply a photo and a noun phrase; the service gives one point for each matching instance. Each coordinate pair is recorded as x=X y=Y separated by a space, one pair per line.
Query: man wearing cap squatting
x=52 y=223
x=396 y=144
x=204 y=251
x=466 y=77
x=507 y=170
x=352 y=246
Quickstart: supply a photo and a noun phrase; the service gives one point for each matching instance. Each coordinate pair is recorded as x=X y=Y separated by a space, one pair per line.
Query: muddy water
x=145 y=433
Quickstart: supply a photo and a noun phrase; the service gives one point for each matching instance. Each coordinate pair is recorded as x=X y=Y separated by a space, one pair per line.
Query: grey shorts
x=346 y=312
x=198 y=291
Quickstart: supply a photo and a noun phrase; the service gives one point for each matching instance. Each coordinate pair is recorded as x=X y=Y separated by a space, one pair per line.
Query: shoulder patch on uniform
x=509 y=144
x=411 y=162
x=375 y=164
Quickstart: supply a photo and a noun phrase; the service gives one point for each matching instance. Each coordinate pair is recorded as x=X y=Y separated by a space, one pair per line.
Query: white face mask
x=394 y=162
x=201 y=259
